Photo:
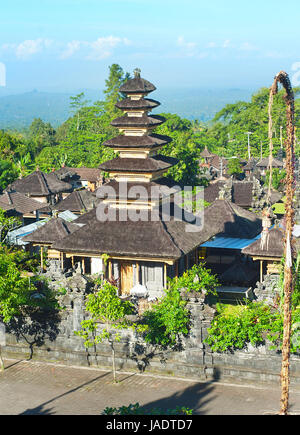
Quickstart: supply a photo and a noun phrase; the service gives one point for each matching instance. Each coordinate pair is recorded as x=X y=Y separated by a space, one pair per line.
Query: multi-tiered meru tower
x=138 y=163
x=141 y=251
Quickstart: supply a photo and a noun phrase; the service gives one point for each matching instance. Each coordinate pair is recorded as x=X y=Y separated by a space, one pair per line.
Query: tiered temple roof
x=139 y=166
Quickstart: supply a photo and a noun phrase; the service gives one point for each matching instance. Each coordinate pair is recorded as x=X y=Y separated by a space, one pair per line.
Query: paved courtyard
x=29 y=387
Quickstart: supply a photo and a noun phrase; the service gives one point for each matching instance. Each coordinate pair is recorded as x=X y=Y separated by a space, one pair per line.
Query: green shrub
x=197 y=279
x=136 y=409
x=167 y=320
x=236 y=326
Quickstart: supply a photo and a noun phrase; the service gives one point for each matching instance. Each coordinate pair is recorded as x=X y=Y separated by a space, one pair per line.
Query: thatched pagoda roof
x=150 y=141
x=138 y=121
x=143 y=103
x=128 y=190
x=137 y=85
x=150 y=164
x=211 y=192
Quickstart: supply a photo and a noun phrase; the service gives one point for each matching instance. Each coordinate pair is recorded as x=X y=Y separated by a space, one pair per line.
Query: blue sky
x=69 y=44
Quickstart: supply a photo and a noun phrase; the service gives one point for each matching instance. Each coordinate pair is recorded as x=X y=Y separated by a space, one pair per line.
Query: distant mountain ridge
x=18 y=110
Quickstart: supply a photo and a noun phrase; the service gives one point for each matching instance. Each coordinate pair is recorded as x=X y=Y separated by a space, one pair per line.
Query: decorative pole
x=283 y=78
x=249 y=149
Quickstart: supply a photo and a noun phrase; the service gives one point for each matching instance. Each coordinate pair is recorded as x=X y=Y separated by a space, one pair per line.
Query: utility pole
x=249 y=151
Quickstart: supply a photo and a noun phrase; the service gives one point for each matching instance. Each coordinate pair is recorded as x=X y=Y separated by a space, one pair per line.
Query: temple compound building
x=143 y=243
x=139 y=234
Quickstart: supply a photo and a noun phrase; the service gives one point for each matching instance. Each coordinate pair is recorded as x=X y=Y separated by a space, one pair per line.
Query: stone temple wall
x=51 y=338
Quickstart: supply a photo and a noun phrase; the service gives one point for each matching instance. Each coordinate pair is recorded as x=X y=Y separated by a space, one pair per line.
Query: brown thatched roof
x=211 y=192
x=87 y=174
x=206 y=153
x=264 y=163
x=143 y=103
x=250 y=164
x=165 y=237
x=138 y=121
x=40 y=184
x=137 y=85
x=55 y=229
x=12 y=200
x=150 y=141
x=273 y=247
x=87 y=217
x=216 y=162
x=123 y=190
x=229 y=220
x=77 y=201
x=65 y=173
x=150 y=164
x=82 y=174
x=242 y=193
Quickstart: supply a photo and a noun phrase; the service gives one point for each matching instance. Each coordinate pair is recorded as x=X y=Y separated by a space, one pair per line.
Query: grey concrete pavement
x=30 y=387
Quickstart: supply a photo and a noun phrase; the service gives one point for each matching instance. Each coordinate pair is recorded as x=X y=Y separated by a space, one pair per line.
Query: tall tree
x=115 y=80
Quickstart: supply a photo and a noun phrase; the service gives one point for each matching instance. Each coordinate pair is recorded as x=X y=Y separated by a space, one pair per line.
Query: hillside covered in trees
x=78 y=141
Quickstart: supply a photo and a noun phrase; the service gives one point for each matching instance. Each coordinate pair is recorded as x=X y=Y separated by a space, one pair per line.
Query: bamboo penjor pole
x=283 y=78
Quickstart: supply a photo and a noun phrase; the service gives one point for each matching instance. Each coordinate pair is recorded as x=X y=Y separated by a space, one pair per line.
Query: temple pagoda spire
x=138 y=160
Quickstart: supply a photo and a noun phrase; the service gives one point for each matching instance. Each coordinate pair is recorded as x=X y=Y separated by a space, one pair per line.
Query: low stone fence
x=54 y=340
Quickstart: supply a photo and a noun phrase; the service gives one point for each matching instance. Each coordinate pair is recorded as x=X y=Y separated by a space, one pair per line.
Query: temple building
x=145 y=250
x=269 y=251
x=139 y=235
x=42 y=187
x=20 y=205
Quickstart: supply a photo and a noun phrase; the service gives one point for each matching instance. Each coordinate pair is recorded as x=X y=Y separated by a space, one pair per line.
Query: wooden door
x=126 y=277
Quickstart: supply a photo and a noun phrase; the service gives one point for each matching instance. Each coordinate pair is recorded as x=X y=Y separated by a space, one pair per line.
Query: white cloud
x=226 y=43
x=99 y=49
x=188 y=47
x=103 y=47
x=27 y=48
x=247 y=46
x=72 y=47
